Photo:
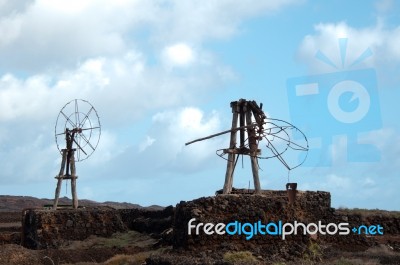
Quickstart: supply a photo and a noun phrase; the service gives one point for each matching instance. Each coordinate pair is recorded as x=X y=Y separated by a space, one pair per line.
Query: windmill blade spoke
x=79 y=147
x=274 y=151
x=92 y=128
x=279 y=155
x=283 y=139
x=300 y=147
x=86 y=117
x=79 y=154
x=290 y=143
x=86 y=140
x=68 y=119
x=77 y=113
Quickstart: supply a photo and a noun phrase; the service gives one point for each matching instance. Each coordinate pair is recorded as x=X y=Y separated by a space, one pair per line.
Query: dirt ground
x=93 y=250
x=134 y=248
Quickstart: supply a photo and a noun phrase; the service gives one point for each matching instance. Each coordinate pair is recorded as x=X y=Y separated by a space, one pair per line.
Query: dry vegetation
x=122 y=248
x=368 y=212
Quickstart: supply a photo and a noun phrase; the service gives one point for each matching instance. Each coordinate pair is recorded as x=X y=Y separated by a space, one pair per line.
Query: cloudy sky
x=162 y=73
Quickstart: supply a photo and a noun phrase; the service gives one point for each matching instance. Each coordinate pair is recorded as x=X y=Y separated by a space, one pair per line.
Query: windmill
x=255 y=127
x=78 y=126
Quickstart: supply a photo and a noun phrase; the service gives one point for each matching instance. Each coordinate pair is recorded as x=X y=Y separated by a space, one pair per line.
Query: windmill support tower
x=67 y=165
x=243 y=111
x=80 y=141
x=253 y=126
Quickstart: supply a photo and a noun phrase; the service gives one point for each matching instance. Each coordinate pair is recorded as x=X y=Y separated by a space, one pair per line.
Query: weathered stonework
x=148 y=221
x=48 y=228
x=270 y=206
x=247 y=208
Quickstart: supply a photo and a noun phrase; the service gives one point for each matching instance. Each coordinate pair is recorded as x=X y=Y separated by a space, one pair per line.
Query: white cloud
x=214 y=20
x=369 y=182
x=30 y=162
x=337 y=182
x=9 y=29
x=107 y=148
x=172 y=129
x=332 y=182
x=164 y=151
x=13 y=7
x=65 y=7
x=121 y=89
x=354 y=184
x=190 y=121
x=186 y=125
x=146 y=143
x=179 y=54
x=111 y=53
x=47 y=34
x=387 y=141
x=21 y=99
x=382 y=41
x=384 y=6
x=36 y=97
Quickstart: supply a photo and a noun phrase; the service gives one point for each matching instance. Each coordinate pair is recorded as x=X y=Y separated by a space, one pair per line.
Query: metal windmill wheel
x=79 y=117
x=254 y=126
x=78 y=127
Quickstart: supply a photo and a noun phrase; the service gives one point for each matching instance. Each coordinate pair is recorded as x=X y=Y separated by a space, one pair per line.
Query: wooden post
x=58 y=189
x=231 y=156
x=242 y=112
x=241 y=122
x=60 y=178
x=73 y=181
x=251 y=134
x=74 y=194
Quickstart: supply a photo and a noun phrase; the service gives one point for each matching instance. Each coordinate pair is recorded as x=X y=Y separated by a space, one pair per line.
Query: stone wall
x=10 y=227
x=148 y=221
x=10 y=216
x=271 y=206
x=390 y=221
x=48 y=228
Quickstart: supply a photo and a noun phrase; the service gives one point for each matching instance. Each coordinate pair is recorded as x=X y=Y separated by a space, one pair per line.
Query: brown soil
x=93 y=250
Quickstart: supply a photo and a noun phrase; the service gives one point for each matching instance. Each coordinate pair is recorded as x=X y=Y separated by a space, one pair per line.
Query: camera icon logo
x=343 y=103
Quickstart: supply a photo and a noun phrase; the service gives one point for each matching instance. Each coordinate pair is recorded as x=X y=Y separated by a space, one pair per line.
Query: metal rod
x=221 y=133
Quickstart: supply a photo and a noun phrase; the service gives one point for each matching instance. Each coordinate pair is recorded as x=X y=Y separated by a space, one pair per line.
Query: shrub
x=136 y=259
x=240 y=257
x=346 y=261
x=313 y=252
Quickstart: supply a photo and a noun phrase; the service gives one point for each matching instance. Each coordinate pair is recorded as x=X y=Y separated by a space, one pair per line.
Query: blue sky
x=161 y=73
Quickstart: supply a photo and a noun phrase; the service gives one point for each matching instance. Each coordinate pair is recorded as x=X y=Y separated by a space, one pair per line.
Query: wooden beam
x=221 y=133
x=73 y=182
x=241 y=151
x=253 y=147
x=60 y=179
x=230 y=167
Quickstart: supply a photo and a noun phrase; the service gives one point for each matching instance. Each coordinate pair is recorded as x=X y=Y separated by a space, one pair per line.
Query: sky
x=162 y=73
